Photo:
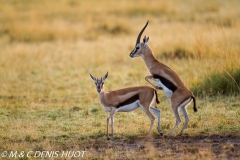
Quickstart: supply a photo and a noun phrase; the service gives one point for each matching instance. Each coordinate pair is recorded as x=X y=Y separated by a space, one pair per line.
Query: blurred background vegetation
x=179 y=31
x=48 y=49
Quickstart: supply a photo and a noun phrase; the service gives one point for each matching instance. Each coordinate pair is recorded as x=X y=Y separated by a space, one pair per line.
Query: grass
x=49 y=102
x=220 y=83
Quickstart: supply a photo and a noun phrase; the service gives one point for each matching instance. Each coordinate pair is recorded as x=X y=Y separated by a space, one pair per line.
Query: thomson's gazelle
x=127 y=100
x=180 y=96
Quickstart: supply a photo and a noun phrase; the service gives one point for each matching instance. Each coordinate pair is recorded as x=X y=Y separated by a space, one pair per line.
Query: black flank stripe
x=128 y=101
x=166 y=82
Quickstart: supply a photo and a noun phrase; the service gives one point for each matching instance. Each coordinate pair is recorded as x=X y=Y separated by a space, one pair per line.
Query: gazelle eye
x=137 y=48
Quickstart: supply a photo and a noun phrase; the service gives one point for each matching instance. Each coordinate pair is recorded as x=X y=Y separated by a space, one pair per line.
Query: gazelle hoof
x=159 y=131
x=108 y=138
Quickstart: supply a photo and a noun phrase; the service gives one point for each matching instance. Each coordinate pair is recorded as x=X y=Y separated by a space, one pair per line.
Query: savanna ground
x=49 y=103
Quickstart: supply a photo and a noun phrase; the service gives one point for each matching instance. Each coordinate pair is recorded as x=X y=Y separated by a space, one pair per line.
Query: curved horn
x=140 y=34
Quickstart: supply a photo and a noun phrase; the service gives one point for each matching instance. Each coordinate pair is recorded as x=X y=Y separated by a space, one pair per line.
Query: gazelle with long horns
x=180 y=96
x=127 y=100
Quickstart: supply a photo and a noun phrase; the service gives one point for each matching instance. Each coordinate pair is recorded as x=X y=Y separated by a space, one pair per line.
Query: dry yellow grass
x=48 y=49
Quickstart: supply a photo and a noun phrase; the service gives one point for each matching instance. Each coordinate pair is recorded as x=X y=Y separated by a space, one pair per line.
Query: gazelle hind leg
x=112 y=119
x=185 y=114
x=178 y=120
x=176 y=109
x=151 y=117
x=157 y=112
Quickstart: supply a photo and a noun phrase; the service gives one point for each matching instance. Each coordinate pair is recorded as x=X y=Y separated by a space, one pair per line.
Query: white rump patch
x=185 y=103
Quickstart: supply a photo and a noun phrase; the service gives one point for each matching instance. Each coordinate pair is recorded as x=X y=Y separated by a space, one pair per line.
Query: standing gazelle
x=127 y=100
x=180 y=96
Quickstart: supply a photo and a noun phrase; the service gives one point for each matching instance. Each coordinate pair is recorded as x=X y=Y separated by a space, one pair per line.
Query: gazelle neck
x=101 y=95
x=102 y=98
x=149 y=58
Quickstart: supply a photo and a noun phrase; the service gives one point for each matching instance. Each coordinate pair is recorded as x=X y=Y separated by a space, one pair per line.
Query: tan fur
x=111 y=100
x=157 y=68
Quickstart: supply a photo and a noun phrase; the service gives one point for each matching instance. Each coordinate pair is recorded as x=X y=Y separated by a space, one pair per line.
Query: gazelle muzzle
x=132 y=53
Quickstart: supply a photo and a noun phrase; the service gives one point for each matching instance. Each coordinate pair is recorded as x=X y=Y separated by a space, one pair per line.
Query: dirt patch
x=190 y=147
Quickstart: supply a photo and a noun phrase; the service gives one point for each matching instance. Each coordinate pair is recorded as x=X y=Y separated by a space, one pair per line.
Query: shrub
x=224 y=83
x=179 y=53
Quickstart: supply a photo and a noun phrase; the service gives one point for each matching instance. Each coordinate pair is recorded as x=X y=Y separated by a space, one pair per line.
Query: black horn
x=140 y=34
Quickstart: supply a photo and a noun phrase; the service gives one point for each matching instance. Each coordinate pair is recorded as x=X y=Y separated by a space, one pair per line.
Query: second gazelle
x=127 y=100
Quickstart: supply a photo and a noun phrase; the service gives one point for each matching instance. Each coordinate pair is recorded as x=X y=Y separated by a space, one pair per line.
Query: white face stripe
x=99 y=84
x=136 y=49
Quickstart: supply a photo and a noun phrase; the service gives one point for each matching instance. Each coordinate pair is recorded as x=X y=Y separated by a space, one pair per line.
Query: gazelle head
x=140 y=47
x=99 y=82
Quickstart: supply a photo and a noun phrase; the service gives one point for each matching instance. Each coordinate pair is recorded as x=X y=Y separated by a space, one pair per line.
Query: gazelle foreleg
x=157 y=112
x=113 y=111
x=148 y=78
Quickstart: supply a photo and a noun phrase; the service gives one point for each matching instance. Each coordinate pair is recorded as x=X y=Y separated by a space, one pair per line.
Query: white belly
x=126 y=108
x=129 y=107
x=167 y=91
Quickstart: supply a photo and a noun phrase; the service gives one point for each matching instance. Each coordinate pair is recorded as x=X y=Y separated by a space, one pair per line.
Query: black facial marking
x=166 y=82
x=128 y=101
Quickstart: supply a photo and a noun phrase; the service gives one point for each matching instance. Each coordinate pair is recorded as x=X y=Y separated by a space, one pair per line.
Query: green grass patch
x=220 y=83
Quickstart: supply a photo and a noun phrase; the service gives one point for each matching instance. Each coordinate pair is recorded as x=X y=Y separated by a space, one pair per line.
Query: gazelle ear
x=105 y=77
x=92 y=77
x=145 y=39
